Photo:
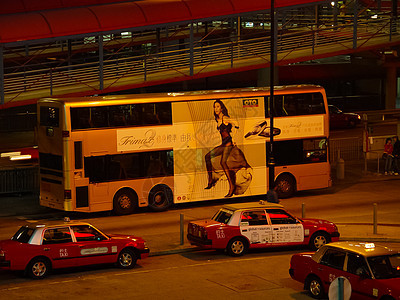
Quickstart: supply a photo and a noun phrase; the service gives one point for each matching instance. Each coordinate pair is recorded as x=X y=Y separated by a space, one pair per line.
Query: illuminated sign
x=250 y=102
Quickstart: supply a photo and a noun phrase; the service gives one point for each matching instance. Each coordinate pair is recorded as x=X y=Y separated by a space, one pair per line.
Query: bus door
x=81 y=184
x=254 y=226
x=285 y=228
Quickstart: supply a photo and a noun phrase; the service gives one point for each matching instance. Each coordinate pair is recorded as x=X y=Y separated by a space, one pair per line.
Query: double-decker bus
x=127 y=151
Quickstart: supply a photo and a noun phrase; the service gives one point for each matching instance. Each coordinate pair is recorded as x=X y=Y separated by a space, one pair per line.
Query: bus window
x=297 y=104
x=288 y=152
x=121 y=115
x=295 y=152
x=118 y=115
x=99 y=116
x=50 y=161
x=314 y=150
x=49 y=116
x=129 y=166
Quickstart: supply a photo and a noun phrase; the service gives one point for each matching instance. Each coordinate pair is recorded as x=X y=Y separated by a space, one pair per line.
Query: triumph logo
x=146 y=141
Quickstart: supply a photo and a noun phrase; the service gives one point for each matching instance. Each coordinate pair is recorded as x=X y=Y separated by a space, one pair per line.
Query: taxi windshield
x=385 y=266
x=223 y=216
x=23 y=235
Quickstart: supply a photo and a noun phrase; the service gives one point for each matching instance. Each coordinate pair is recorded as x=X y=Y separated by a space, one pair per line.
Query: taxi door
x=254 y=226
x=330 y=267
x=360 y=278
x=94 y=247
x=58 y=245
x=285 y=229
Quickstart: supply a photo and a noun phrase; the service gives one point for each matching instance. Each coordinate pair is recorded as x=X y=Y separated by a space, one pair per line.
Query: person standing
x=388 y=156
x=396 y=155
x=272 y=195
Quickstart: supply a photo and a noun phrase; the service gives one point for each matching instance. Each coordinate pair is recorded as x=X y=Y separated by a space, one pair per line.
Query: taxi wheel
x=236 y=247
x=125 y=202
x=318 y=239
x=160 y=197
x=38 y=268
x=315 y=288
x=127 y=259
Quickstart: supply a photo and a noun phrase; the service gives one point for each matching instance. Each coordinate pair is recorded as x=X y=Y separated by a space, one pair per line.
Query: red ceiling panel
x=41 y=5
x=17 y=6
x=32 y=26
x=240 y=5
x=117 y=16
x=10 y=7
x=71 y=21
x=164 y=11
x=209 y=8
x=42 y=19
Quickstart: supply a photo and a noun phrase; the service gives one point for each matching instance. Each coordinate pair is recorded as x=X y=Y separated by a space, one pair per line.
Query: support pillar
x=69 y=51
x=101 y=63
x=264 y=76
x=191 y=53
x=1 y=76
x=391 y=87
x=355 y=23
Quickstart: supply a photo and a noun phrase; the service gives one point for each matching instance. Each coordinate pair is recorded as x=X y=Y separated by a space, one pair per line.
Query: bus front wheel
x=125 y=202
x=160 y=197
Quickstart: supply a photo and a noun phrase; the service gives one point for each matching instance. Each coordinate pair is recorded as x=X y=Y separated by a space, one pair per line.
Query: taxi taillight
x=65 y=133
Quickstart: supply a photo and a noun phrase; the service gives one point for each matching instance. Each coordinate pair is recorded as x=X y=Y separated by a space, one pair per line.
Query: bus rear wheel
x=160 y=198
x=285 y=186
x=125 y=202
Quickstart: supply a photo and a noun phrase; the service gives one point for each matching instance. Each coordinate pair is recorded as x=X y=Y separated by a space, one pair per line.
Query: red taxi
x=238 y=227
x=373 y=271
x=38 y=249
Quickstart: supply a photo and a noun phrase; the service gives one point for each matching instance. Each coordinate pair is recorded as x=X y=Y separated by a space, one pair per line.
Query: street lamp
x=271 y=159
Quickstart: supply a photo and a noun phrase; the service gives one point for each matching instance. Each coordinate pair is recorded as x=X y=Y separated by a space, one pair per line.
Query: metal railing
x=19 y=180
x=349 y=149
x=195 y=58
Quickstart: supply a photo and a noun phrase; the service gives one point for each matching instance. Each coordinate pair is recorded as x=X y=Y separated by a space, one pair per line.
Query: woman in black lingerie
x=224 y=126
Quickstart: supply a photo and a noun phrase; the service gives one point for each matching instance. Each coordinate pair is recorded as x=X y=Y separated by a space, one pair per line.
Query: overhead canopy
x=27 y=20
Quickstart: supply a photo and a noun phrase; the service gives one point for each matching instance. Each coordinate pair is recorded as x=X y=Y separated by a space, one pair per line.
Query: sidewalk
x=359 y=172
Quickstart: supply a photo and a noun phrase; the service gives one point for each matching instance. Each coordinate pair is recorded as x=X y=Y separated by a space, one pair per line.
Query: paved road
x=194 y=274
x=200 y=275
